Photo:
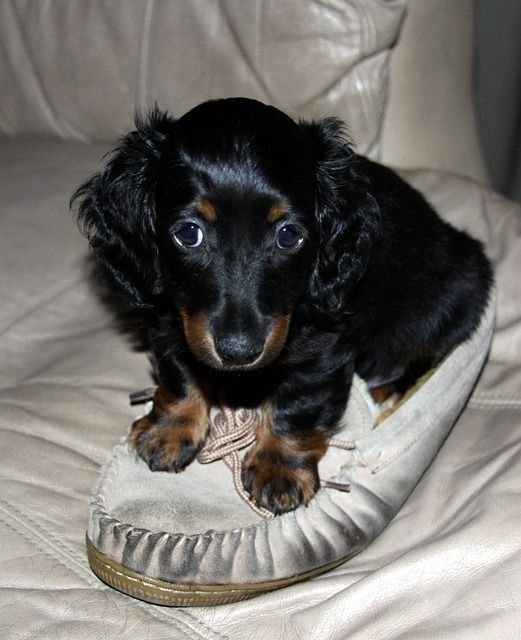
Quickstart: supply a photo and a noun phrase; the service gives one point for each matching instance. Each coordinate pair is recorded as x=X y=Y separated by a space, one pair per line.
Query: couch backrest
x=429 y=119
x=79 y=69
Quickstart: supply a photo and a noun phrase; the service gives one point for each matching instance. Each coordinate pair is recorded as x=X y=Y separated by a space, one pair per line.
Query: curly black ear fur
x=116 y=210
x=347 y=214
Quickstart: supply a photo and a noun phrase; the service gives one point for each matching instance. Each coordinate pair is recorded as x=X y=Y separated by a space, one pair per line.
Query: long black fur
x=380 y=284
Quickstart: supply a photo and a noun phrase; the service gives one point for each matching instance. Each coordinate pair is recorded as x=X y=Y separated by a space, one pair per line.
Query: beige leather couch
x=72 y=72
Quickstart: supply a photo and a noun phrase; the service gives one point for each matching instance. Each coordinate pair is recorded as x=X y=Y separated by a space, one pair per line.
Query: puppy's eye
x=289 y=237
x=188 y=235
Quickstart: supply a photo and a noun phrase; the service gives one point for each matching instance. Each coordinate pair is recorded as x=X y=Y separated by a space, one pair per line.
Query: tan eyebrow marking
x=278 y=210
x=207 y=210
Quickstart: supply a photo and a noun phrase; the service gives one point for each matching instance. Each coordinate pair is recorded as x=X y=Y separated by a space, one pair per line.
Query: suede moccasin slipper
x=192 y=539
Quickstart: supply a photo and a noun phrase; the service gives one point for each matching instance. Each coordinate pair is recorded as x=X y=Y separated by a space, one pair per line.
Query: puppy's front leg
x=281 y=470
x=174 y=431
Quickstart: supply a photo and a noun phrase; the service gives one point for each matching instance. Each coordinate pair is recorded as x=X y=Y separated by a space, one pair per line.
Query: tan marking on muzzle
x=199 y=338
x=276 y=339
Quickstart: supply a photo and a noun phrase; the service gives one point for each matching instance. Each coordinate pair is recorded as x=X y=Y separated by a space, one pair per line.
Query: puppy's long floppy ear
x=348 y=217
x=116 y=209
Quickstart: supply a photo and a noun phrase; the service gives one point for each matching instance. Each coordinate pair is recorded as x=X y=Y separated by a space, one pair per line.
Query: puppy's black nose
x=238 y=349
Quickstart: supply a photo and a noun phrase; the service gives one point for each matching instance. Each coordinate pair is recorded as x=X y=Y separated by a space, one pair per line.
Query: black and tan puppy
x=273 y=260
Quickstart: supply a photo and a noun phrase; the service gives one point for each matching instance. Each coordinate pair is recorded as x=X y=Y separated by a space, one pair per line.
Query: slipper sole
x=164 y=593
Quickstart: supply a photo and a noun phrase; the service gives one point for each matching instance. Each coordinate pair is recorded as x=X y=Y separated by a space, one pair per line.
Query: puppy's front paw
x=164 y=447
x=172 y=434
x=279 y=486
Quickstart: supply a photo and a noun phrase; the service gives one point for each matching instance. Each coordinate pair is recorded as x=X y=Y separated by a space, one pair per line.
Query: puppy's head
x=230 y=217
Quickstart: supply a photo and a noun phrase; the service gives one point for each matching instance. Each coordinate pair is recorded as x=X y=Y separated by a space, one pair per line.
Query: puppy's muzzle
x=235 y=350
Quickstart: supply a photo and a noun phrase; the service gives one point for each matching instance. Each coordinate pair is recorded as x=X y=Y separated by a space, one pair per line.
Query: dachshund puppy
x=274 y=262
